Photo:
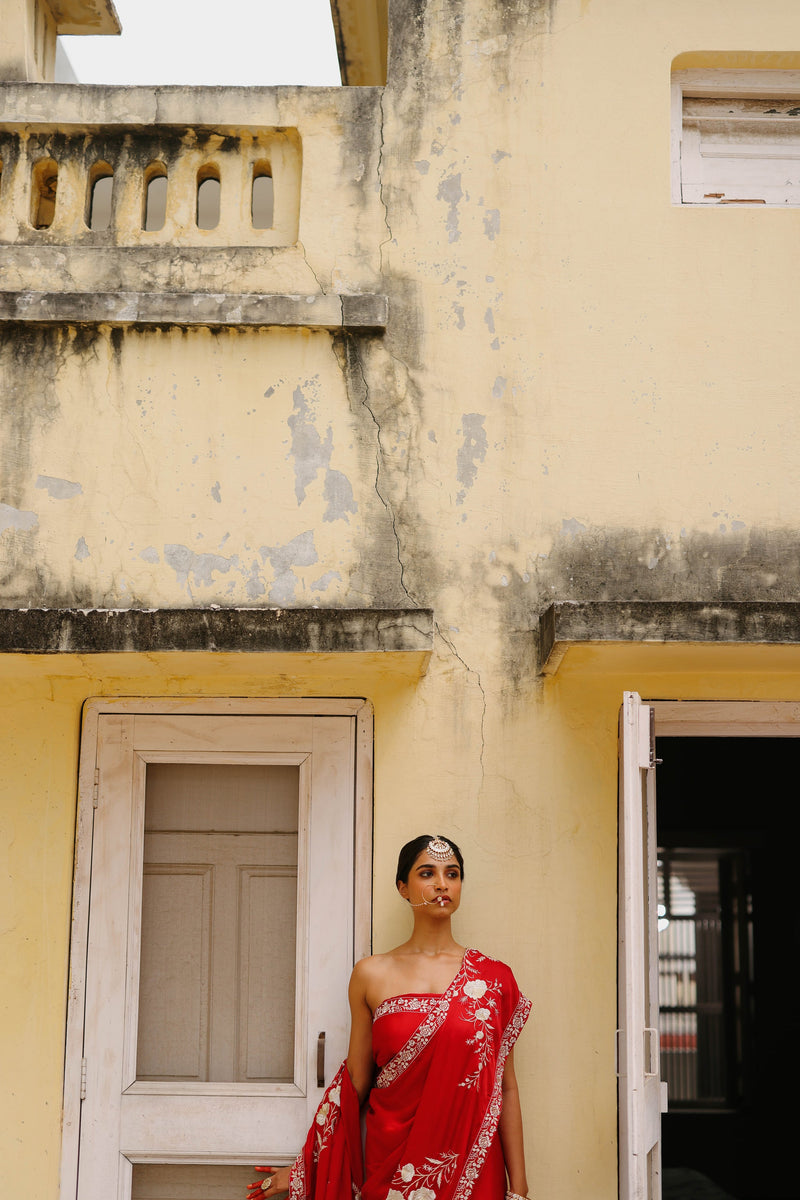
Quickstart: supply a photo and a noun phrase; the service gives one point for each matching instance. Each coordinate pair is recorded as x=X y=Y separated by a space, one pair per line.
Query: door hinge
x=648 y=739
x=96 y=787
x=83 y=1079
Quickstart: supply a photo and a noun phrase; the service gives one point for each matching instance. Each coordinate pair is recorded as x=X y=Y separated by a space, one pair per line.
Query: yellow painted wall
x=583 y=392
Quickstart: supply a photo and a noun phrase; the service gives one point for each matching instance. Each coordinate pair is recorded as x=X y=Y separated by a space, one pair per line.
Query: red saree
x=433 y=1111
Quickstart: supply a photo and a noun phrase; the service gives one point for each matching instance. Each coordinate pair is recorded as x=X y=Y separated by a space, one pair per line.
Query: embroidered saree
x=432 y=1114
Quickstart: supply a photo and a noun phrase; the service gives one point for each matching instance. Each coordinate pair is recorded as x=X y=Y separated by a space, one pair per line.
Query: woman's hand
x=279 y=1182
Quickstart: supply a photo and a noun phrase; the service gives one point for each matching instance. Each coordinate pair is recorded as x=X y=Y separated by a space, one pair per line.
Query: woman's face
x=432 y=885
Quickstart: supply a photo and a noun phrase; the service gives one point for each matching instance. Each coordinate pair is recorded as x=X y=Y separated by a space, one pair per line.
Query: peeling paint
x=201 y=567
x=570 y=527
x=81 y=550
x=17 y=518
x=471 y=452
x=491 y=223
x=450 y=192
x=310 y=452
x=323 y=583
x=59 y=489
x=488 y=318
x=499 y=387
x=338 y=493
x=215 y=493
x=299 y=552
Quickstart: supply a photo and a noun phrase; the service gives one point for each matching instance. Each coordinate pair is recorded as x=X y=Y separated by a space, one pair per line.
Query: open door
x=639 y=1088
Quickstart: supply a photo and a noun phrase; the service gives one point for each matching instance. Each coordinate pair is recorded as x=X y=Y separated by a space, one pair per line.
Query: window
x=216 y=922
x=208 y=197
x=262 y=201
x=704 y=915
x=736 y=137
x=98 y=199
x=44 y=184
x=154 y=209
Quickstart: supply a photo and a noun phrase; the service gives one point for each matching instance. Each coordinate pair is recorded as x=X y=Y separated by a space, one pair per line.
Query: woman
x=432 y=1030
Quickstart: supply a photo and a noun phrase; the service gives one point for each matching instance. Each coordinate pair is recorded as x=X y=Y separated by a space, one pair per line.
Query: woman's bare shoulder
x=375 y=966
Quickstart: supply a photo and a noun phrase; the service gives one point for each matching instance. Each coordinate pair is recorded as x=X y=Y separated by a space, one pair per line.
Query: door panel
x=220 y=938
x=637 y=963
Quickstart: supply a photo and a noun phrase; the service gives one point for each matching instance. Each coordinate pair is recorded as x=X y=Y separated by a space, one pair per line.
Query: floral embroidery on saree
x=406 y=1004
x=480 y=1147
x=425 y=1181
x=433 y=1112
x=422 y=1035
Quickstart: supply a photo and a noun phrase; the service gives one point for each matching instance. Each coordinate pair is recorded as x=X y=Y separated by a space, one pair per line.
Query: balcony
x=191 y=206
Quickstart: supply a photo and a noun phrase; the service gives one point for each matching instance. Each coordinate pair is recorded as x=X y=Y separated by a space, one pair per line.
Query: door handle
x=321 y=1060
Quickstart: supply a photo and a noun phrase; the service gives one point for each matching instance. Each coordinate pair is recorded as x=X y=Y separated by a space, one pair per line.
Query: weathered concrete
x=566 y=623
x=195 y=308
x=249 y=630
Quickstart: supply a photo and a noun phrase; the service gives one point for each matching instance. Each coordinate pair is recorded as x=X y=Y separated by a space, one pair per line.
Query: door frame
x=722 y=718
x=357 y=708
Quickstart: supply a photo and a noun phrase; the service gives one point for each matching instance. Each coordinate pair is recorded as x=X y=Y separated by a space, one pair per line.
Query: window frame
x=711 y=82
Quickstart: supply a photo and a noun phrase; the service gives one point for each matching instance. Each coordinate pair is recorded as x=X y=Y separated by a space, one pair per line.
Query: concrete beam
x=85 y=16
x=332 y=311
x=218 y=630
x=566 y=623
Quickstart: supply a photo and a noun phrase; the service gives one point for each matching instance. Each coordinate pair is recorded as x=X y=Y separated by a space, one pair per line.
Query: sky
x=216 y=42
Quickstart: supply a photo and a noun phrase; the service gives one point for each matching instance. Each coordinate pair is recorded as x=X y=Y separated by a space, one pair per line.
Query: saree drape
x=433 y=1111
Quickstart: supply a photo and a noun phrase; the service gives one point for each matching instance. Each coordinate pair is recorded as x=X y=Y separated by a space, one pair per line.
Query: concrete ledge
x=221 y=630
x=333 y=311
x=565 y=623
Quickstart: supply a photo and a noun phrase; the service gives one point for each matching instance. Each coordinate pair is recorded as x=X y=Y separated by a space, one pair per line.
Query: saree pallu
x=432 y=1114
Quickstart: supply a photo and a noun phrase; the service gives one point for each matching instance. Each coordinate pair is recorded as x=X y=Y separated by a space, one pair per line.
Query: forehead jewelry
x=440 y=849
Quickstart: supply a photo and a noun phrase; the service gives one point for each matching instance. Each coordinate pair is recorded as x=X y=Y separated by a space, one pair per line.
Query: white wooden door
x=640 y=1090
x=220 y=941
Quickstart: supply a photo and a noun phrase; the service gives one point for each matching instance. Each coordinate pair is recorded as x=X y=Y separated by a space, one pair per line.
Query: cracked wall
x=582 y=393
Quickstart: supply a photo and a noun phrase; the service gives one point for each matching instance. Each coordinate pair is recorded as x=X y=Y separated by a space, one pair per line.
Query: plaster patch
x=423 y=166
x=81 y=550
x=310 y=452
x=202 y=567
x=150 y=555
x=491 y=223
x=339 y=497
x=299 y=552
x=255 y=585
x=472 y=451
x=59 y=489
x=324 y=581
x=17 y=518
x=452 y=195
x=571 y=528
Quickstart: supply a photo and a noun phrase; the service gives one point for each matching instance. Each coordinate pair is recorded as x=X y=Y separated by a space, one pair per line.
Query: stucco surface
x=582 y=394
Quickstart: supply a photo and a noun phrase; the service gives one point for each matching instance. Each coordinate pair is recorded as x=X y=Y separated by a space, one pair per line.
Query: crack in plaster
x=317 y=278
x=387 y=240
x=473 y=672
x=379 y=456
x=365 y=401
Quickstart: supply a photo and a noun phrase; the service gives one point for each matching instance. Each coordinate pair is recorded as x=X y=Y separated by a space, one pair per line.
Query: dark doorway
x=728 y=829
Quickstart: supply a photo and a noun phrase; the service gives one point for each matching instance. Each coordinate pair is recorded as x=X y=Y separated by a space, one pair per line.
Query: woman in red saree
x=432 y=1033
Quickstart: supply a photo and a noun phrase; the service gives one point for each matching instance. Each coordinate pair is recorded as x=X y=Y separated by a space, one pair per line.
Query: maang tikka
x=440 y=849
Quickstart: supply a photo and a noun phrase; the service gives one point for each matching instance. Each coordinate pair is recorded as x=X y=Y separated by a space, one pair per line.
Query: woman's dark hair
x=412 y=850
